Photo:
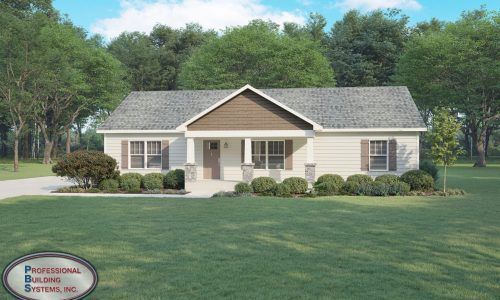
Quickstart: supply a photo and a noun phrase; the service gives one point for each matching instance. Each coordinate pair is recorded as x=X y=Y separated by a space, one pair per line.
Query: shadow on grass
x=267 y=247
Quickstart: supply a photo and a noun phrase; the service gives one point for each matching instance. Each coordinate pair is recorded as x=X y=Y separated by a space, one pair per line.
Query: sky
x=111 y=17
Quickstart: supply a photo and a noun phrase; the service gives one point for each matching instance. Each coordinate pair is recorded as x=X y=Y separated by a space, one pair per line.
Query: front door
x=211 y=159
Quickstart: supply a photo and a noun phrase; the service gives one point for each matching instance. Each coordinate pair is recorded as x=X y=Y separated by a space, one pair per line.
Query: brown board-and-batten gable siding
x=249 y=111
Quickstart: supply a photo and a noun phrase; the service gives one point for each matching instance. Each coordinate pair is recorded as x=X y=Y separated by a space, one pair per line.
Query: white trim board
x=249 y=133
x=183 y=126
x=374 y=129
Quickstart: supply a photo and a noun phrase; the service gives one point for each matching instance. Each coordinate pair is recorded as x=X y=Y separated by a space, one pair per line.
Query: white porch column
x=310 y=150
x=190 y=151
x=248 y=151
x=310 y=165
x=190 y=166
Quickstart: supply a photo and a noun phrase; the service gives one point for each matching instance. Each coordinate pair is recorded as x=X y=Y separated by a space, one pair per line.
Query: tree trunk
x=16 y=151
x=489 y=131
x=3 y=137
x=479 y=143
x=47 y=151
x=55 y=146
x=444 y=180
x=26 y=145
x=68 y=140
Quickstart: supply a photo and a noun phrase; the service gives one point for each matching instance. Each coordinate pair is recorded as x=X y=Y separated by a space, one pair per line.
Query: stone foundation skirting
x=190 y=172
x=247 y=170
x=310 y=173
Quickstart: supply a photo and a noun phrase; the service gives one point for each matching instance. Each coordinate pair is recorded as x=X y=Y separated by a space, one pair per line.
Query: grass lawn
x=263 y=248
x=27 y=169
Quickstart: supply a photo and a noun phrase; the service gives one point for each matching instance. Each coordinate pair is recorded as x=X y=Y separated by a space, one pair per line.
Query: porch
x=223 y=159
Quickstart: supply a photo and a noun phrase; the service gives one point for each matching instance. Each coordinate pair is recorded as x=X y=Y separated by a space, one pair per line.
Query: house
x=230 y=136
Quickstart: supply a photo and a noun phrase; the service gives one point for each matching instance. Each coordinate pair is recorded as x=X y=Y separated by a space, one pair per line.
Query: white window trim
x=370 y=155
x=145 y=154
x=267 y=153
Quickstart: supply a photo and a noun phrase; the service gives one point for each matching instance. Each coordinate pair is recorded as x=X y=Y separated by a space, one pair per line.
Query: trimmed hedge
x=399 y=189
x=109 y=185
x=387 y=178
x=353 y=182
x=174 y=179
x=418 y=180
x=263 y=185
x=243 y=188
x=334 y=186
x=297 y=185
x=327 y=188
x=152 y=181
x=429 y=167
x=282 y=190
x=86 y=168
x=131 y=183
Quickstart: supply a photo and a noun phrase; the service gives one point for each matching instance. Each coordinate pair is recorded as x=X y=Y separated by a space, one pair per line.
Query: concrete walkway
x=31 y=186
x=45 y=185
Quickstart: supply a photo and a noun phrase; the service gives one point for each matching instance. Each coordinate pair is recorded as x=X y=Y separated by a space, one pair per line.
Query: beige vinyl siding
x=340 y=153
x=177 y=147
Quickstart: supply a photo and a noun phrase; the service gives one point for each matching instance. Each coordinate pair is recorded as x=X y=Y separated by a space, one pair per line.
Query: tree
x=20 y=23
x=443 y=139
x=314 y=29
x=153 y=61
x=364 y=49
x=458 y=68
x=75 y=76
x=257 y=54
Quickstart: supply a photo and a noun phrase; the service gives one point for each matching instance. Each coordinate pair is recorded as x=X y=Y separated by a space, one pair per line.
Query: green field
x=27 y=169
x=263 y=248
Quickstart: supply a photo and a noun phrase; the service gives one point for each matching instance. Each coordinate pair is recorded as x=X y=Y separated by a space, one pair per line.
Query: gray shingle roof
x=349 y=107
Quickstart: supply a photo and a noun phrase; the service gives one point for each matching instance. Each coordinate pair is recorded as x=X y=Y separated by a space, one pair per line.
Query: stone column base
x=190 y=172
x=310 y=172
x=247 y=172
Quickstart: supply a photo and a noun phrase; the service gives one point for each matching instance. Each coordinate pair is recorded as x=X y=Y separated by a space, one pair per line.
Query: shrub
x=335 y=186
x=282 y=190
x=379 y=188
x=174 y=179
x=135 y=176
x=93 y=190
x=297 y=185
x=429 y=167
x=418 y=180
x=364 y=189
x=353 y=182
x=327 y=188
x=70 y=189
x=263 y=185
x=398 y=189
x=387 y=178
x=242 y=188
x=224 y=194
x=109 y=185
x=152 y=181
x=86 y=168
x=131 y=183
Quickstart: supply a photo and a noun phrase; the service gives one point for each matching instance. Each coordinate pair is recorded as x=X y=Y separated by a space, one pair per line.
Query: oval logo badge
x=50 y=275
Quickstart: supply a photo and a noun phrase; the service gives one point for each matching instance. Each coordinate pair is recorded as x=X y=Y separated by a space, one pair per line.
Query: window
x=213 y=145
x=276 y=150
x=141 y=158
x=268 y=154
x=137 y=155
x=154 y=155
x=378 y=155
x=259 y=154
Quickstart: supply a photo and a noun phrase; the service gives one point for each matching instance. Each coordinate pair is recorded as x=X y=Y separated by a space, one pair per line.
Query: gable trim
x=183 y=126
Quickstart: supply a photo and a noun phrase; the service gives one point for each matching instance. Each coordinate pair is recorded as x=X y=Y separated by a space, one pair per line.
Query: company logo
x=49 y=275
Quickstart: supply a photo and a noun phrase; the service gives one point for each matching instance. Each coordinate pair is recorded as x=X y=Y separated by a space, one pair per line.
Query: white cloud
x=141 y=15
x=367 y=5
